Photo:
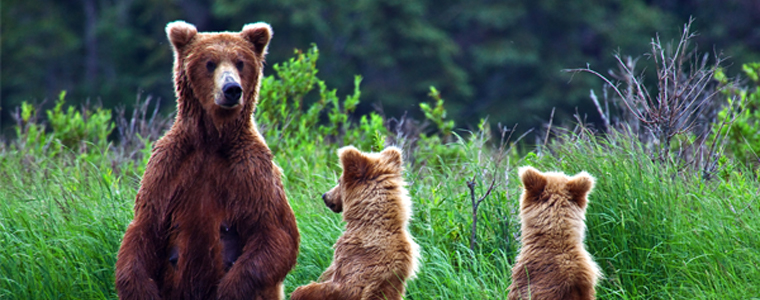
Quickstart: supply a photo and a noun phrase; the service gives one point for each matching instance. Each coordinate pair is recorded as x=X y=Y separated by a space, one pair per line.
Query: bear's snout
x=331 y=205
x=328 y=203
x=232 y=91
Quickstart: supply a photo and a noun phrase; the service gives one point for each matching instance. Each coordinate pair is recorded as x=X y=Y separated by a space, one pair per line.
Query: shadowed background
x=496 y=59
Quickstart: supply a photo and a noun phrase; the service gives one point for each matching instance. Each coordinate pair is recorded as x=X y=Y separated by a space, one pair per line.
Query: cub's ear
x=259 y=35
x=533 y=181
x=579 y=186
x=180 y=33
x=355 y=164
x=392 y=157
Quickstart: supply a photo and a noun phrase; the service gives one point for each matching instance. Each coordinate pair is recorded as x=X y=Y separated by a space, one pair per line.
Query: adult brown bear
x=211 y=218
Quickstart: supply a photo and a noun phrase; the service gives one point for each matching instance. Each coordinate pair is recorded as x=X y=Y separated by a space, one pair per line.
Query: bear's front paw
x=231 y=287
x=300 y=293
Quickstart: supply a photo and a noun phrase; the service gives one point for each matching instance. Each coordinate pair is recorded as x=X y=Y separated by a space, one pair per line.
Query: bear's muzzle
x=231 y=91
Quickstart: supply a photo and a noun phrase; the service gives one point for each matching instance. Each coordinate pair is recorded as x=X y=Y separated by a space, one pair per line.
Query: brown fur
x=211 y=218
x=553 y=262
x=376 y=254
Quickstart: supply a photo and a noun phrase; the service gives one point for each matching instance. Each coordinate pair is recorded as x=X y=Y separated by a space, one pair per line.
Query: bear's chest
x=203 y=241
x=207 y=183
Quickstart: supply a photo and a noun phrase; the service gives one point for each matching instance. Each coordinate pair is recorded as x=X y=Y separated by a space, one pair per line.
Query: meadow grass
x=657 y=234
x=61 y=220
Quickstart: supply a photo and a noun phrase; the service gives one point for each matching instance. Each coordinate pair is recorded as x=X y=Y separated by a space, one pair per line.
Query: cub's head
x=553 y=195
x=222 y=71
x=364 y=175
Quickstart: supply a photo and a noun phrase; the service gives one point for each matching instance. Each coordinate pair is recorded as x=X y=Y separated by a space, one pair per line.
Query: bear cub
x=553 y=262
x=376 y=254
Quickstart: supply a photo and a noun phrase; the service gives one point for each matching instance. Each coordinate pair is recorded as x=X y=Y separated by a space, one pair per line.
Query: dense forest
x=496 y=59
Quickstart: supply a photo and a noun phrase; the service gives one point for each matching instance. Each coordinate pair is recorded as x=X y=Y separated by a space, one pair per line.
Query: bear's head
x=218 y=73
x=549 y=196
x=364 y=175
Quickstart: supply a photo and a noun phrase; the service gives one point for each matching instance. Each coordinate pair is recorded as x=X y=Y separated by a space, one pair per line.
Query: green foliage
x=370 y=135
x=282 y=110
x=742 y=114
x=31 y=135
x=69 y=128
x=433 y=148
x=437 y=114
x=74 y=129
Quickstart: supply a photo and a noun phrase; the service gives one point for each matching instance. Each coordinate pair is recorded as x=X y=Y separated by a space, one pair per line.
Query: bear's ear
x=355 y=164
x=533 y=181
x=392 y=157
x=579 y=186
x=259 y=35
x=180 y=33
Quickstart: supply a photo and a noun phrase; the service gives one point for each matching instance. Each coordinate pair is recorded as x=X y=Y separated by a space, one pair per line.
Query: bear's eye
x=210 y=66
x=239 y=65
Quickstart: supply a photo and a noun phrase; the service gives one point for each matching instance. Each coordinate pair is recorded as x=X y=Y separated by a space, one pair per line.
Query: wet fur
x=211 y=218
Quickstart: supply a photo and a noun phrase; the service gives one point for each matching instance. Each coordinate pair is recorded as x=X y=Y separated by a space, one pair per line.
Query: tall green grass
x=656 y=234
x=61 y=220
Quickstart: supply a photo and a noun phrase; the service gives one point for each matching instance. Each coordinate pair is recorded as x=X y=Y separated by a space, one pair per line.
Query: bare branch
x=475 y=205
x=599 y=109
x=676 y=114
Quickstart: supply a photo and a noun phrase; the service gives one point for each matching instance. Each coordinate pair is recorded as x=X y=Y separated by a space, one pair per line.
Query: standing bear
x=211 y=218
x=553 y=263
x=376 y=254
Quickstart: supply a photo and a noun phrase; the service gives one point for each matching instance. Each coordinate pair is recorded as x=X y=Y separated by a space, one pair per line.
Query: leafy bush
x=74 y=129
x=742 y=114
x=438 y=147
x=70 y=128
x=30 y=134
x=282 y=111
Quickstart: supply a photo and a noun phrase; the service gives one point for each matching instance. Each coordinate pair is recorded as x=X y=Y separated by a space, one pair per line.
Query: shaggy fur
x=376 y=254
x=553 y=262
x=211 y=218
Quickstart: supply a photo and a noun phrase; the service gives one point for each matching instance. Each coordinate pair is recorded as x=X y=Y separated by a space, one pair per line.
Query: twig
x=599 y=109
x=549 y=129
x=475 y=204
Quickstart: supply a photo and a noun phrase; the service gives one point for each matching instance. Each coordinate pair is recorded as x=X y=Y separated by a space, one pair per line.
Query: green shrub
x=438 y=147
x=286 y=115
x=74 y=129
x=85 y=131
x=30 y=134
x=743 y=133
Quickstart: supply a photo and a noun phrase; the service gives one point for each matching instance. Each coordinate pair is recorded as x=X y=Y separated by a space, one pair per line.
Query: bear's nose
x=324 y=196
x=232 y=91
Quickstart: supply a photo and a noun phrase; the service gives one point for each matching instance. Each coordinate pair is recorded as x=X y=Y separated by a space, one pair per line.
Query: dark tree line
x=501 y=59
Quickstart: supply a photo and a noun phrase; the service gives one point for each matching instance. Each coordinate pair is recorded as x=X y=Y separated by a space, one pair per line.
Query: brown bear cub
x=211 y=218
x=376 y=254
x=553 y=262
